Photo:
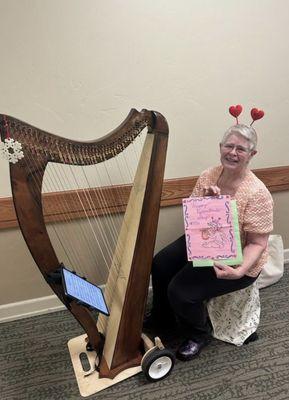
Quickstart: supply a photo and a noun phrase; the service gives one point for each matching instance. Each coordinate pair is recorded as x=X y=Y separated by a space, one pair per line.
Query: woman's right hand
x=212 y=191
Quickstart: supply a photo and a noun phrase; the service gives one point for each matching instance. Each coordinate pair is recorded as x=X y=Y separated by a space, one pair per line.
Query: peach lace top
x=254 y=203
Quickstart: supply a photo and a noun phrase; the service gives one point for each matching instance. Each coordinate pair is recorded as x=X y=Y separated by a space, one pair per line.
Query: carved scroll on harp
x=129 y=275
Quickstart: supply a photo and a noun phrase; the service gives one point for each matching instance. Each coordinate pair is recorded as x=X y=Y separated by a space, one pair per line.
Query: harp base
x=89 y=381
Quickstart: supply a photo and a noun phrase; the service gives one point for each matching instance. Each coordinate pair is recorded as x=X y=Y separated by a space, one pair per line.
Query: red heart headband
x=255 y=113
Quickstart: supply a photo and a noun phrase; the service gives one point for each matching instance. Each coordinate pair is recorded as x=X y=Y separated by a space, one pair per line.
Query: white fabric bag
x=235 y=316
x=274 y=268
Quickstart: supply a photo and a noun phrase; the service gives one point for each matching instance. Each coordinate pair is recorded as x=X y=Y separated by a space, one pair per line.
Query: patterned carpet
x=35 y=363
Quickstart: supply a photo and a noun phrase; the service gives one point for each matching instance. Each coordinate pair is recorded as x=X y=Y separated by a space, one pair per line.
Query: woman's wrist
x=242 y=270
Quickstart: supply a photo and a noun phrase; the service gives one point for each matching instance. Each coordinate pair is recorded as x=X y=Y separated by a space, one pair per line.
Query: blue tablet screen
x=82 y=290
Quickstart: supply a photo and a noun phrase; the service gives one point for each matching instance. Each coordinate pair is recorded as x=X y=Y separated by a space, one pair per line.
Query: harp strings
x=94 y=226
x=70 y=241
x=107 y=199
x=75 y=235
x=97 y=232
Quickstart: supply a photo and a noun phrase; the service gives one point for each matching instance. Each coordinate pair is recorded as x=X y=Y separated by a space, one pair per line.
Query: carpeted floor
x=35 y=363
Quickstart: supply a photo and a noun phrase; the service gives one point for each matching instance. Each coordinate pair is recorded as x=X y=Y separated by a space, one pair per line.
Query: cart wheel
x=157 y=364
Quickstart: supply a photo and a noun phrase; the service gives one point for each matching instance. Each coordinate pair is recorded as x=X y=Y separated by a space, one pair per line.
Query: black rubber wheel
x=158 y=364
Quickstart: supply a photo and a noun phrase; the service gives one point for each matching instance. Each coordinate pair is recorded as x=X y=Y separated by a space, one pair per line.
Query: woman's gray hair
x=247 y=132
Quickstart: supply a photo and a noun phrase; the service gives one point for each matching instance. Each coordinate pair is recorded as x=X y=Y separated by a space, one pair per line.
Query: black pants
x=180 y=290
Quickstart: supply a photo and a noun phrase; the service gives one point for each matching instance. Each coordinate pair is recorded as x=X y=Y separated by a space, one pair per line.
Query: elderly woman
x=179 y=289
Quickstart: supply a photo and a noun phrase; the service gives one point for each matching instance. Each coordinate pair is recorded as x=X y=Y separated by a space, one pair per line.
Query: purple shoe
x=190 y=349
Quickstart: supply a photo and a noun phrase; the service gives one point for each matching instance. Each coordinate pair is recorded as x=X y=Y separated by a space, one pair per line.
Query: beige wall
x=76 y=67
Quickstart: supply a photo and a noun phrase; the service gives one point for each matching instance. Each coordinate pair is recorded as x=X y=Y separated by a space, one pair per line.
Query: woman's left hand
x=224 y=271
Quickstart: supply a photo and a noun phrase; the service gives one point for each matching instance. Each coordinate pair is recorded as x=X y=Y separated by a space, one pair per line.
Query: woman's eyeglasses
x=239 y=149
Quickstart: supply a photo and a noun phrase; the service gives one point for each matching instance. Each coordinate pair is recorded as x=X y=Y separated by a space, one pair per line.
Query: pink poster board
x=209 y=228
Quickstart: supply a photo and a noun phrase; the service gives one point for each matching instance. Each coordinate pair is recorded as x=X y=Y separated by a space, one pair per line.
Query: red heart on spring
x=235 y=110
x=257 y=114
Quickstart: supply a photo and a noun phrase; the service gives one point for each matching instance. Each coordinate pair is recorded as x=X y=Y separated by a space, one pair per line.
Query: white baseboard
x=45 y=305
x=30 y=308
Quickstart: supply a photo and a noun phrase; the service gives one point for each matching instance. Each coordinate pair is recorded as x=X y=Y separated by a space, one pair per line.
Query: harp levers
x=116 y=341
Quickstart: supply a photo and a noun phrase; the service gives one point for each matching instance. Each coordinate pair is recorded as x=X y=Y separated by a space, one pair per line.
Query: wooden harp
x=117 y=338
